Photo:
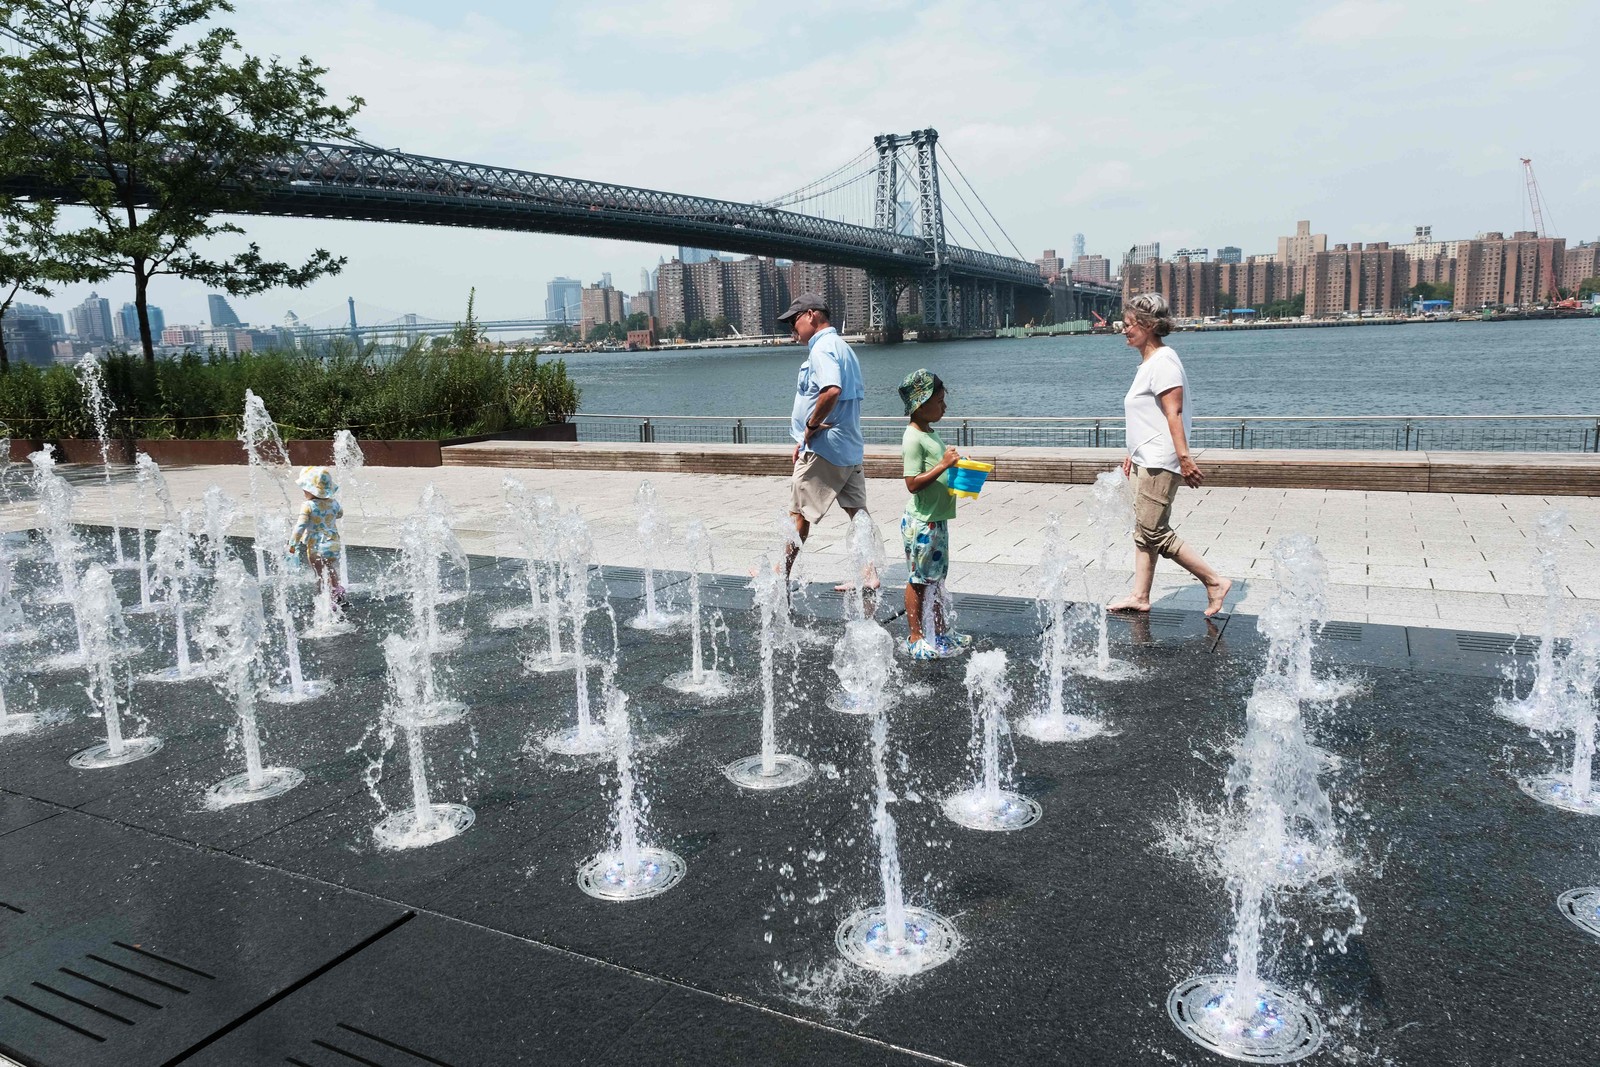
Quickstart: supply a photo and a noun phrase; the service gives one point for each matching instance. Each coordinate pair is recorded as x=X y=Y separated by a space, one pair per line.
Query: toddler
x=315 y=539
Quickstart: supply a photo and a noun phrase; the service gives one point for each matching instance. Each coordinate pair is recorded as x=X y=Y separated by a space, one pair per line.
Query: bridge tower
x=936 y=311
x=883 y=321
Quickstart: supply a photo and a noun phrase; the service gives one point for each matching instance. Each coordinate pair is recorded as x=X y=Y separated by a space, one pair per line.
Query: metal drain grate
x=726 y=581
x=1163 y=617
x=103 y=993
x=356 y=1045
x=1005 y=605
x=626 y=574
x=1341 y=631
x=1498 y=644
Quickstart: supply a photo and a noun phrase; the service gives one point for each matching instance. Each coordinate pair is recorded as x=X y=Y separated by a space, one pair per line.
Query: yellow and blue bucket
x=966 y=478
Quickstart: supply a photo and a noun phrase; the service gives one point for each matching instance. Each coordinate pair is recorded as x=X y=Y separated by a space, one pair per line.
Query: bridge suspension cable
x=809 y=191
x=957 y=167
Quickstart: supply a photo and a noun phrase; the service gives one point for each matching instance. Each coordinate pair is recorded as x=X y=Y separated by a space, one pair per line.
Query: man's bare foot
x=1130 y=603
x=1216 y=594
x=872 y=585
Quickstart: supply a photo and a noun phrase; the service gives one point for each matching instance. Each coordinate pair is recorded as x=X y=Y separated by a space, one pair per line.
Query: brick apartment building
x=1517 y=270
x=1352 y=279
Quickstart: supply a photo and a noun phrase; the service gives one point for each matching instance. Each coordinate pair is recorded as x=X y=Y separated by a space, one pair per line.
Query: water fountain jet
x=92 y=383
x=426 y=822
x=631 y=868
x=232 y=633
x=654 y=534
x=1577 y=674
x=707 y=684
x=1541 y=708
x=105 y=641
x=577 y=548
x=768 y=769
x=1050 y=721
x=172 y=563
x=989 y=804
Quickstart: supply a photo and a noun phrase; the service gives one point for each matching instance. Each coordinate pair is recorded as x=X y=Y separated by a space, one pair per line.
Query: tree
x=28 y=261
x=1433 y=291
x=1588 y=287
x=1224 y=302
x=639 y=320
x=157 y=123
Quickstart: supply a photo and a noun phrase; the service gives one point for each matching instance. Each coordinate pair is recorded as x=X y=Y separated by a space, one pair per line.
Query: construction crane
x=1537 y=203
x=1535 y=198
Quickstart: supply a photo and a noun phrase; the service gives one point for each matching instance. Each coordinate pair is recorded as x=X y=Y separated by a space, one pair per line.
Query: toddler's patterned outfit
x=317 y=531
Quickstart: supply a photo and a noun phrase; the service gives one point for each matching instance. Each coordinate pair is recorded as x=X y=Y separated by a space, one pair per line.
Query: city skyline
x=1121 y=141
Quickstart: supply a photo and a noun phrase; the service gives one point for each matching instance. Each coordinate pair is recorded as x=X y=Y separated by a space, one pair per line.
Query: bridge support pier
x=883 y=312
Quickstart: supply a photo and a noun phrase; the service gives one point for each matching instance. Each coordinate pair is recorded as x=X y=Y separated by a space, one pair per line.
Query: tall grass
x=451 y=387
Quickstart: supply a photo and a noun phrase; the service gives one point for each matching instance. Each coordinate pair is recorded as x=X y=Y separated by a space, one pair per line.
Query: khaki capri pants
x=1154 y=489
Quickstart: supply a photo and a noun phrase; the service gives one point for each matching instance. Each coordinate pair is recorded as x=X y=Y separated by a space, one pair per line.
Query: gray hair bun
x=1151 y=310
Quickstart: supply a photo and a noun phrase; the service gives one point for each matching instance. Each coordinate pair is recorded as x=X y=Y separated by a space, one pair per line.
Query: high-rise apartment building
x=1494 y=270
x=563 y=300
x=180 y=336
x=29 y=332
x=1051 y=266
x=1189 y=285
x=747 y=292
x=601 y=304
x=1229 y=254
x=91 y=321
x=1092 y=269
x=1077 y=246
x=695 y=255
x=1140 y=255
x=1578 y=264
x=643 y=302
x=1296 y=251
x=1253 y=282
x=1352 y=279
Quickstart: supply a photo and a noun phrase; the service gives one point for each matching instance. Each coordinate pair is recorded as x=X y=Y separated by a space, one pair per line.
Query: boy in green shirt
x=924 y=529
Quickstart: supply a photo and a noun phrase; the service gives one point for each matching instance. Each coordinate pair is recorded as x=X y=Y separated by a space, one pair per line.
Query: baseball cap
x=804 y=302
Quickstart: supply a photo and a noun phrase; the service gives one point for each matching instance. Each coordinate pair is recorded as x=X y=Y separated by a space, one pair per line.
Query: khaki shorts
x=1154 y=489
x=817 y=484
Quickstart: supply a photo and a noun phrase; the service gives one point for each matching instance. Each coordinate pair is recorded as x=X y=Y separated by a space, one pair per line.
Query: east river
x=1501 y=368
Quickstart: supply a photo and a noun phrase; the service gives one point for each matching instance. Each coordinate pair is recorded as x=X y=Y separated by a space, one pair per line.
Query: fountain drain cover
x=1582 y=908
x=1282 y=1028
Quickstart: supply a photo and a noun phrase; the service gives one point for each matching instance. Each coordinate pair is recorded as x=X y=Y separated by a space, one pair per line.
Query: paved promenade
x=1421 y=559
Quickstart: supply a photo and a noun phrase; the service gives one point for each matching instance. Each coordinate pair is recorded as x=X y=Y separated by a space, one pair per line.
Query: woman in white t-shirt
x=1157 y=419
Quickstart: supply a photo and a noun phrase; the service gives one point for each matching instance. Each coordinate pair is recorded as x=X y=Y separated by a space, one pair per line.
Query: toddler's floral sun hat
x=318 y=481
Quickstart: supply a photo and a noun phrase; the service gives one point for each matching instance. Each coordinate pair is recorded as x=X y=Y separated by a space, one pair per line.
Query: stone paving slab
x=1454 y=560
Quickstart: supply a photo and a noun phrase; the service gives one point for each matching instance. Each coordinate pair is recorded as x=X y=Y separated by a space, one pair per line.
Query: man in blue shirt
x=826 y=423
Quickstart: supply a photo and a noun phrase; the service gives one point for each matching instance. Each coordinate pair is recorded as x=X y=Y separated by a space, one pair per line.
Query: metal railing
x=1402 y=433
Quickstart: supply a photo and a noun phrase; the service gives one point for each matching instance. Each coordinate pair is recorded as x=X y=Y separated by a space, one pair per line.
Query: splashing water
x=1275 y=835
x=426 y=822
x=1051 y=721
x=1577 y=674
x=527 y=514
x=769 y=768
x=426 y=538
x=148 y=478
x=577 y=549
x=15 y=631
x=1290 y=620
x=15 y=627
x=895 y=938
x=172 y=564
x=1111 y=514
x=347 y=460
x=1541 y=708
x=630 y=868
x=706 y=685
x=219 y=511
x=990 y=803
x=654 y=536
x=864 y=548
x=863 y=660
x=268 y=459
x=55 y=499
x=233 y=632
x=91 y=380
x=297 y=688
x=106 y=642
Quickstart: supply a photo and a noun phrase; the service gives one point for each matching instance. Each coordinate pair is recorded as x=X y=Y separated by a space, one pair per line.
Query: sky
x=1189 y=123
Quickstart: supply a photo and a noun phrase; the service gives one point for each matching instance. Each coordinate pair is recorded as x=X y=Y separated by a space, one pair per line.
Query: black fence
x=1532 y=433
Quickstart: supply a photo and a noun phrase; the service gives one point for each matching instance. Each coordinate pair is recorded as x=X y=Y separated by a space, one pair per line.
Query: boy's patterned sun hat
x=917 y=389
x=318 y=481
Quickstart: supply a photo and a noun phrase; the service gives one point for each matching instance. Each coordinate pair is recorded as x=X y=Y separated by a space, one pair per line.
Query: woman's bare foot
x=1130 y=603
x=872 y=584
x=1216 y=594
